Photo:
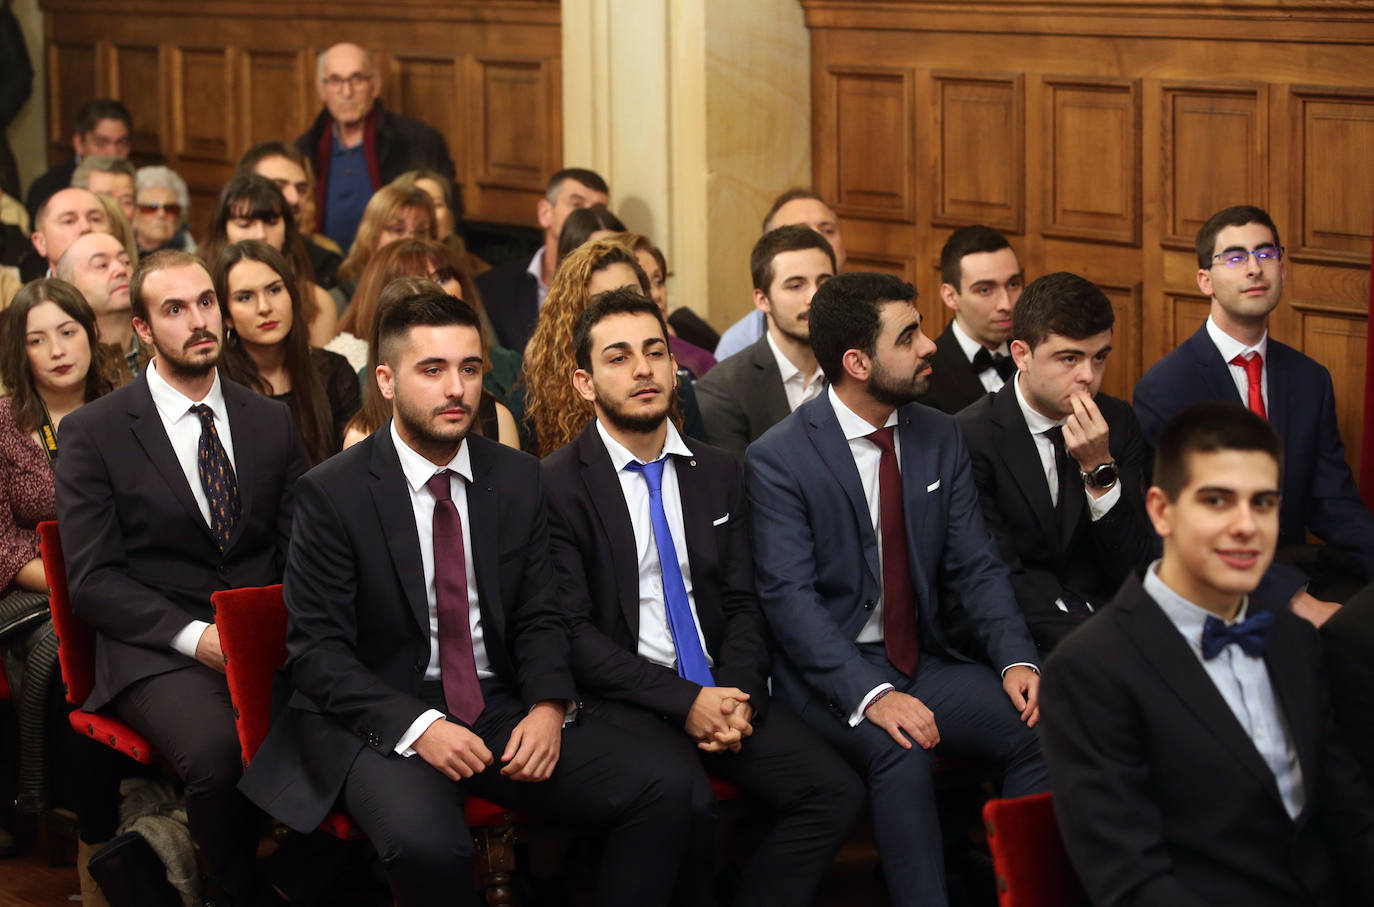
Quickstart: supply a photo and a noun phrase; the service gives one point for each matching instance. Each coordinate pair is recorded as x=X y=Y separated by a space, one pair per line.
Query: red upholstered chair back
x=1033 y=869
x=75 y=640
x=252 y=633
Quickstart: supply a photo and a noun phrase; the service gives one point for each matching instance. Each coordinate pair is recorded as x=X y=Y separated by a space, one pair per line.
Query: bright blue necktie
x=691 y=660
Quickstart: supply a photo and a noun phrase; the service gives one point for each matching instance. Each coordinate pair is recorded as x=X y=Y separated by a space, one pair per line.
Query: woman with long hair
x=51 y=363
x=266 y=346
x=394 y=212
x=552 y=410
x=252 y=207
x=690 y=357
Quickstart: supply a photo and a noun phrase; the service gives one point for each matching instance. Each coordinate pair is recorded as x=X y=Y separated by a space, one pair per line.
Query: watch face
x=1104 y=476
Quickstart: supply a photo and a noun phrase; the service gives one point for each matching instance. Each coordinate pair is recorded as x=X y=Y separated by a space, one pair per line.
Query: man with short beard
x=169 y=489
x=865 y=518
x=750 y=392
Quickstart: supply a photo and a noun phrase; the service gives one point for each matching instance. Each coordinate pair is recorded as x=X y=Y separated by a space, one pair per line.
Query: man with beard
x=168 y=489
x=750 y=392
x=865 y=515
x=650 y=539
x=98 y=265
x=428 y=650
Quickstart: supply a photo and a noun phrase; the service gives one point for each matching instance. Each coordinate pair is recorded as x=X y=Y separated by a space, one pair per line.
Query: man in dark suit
x=1188 y=727
x=1232 y=357
x=513 y=293
x=427 y=651
x=1060 y=466
x=865 y=513
x=103 y=128
x=679 y=655
x=169 y=489
x=753 y=390
x=981 y=280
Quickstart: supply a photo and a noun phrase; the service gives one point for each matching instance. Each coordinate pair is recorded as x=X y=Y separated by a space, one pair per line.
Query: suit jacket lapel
x=917 y=476
x=484 y=514
x=391 y=496
x=956 y=365
x=830 y=443
x=768 y=395
x=603 y=488
x=152 y=437
x=1017 y=449
x=1216 y=374
x=697 y=517
x=1289 y=673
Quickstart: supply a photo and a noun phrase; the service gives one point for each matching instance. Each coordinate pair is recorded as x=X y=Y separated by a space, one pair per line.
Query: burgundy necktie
x=899 y=597
x=1254 y=369
x=457 y=665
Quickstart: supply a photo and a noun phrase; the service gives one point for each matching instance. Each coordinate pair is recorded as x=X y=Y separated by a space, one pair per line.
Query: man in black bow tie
x=1188 y=727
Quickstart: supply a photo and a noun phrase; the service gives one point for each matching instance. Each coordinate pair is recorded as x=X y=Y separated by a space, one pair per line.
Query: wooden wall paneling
x=136 y=78
x=203 y=108
x=515 y=103
x=980 y=138
x=1123 y=365
x=1092 y=190
x=1184 y=313
x=72 y=74
x=874 y=142
x=1339 y=342
x=1332 y=182
x=902 y=266
x=275 y=96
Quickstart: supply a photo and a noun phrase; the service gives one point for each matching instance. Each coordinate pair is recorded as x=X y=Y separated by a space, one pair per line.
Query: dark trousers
x=975 y=719
x=413 y=814
x=815 y=797
x=186 y=715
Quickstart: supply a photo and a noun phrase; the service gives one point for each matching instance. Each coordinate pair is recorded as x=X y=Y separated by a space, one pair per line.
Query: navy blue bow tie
x=1251 y=634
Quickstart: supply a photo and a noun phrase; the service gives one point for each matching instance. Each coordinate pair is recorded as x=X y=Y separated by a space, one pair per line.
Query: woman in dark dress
x=267 y=346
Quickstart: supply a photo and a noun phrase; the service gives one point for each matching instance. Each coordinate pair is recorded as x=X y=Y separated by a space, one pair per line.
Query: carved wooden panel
x=873 y=120
x=1333 y=132
x=274 y=96
x=1339 y=343
x=1123 y=365
x=1092 y=129
x=1185 y=313
x=901 y=265
x=136 y=78
x=432 y=84
x=515 y=102
x=1198 y=182
x=201 y=104
x=71 y=83
x=980 y=156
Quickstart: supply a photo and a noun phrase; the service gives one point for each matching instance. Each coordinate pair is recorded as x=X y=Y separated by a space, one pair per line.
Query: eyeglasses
x=171 y=208
x=355 y=81
x=1235 y=258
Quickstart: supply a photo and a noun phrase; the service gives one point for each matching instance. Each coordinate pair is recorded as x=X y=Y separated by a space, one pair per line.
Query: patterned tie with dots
x=216 y=477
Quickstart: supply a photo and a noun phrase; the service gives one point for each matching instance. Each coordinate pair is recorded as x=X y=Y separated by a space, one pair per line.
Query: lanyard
x=48 y=435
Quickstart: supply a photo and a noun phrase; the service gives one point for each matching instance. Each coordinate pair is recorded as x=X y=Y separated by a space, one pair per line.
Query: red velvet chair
x=1033 y=869
x=76 y=656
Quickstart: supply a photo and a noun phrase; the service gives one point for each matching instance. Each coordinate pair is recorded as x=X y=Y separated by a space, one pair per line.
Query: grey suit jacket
x=742 y=397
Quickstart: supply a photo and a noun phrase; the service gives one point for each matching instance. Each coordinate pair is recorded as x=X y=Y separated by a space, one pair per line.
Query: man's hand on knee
x=897 y=712
x=453 y=750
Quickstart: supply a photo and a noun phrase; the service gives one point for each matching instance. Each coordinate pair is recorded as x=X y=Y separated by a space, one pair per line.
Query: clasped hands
x=531 y=753
x=720 y=719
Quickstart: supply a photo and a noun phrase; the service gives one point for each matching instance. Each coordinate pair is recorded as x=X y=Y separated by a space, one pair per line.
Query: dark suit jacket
x=1075 y=558
x=358 y=617
x=953 y=382
x=816 y=558
x=1349 y=640
x=594 y=552
x=1161 y=797
x=141 y=560
x=742 y=397
x=510 y=294
x=1319 y=492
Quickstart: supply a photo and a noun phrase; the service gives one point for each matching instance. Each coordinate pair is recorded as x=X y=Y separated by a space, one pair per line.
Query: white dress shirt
x=1039 y=424
x=1243 y=682
x=1230 y=348
x=655 y=638
x=798 y=387
x=417 y=471
x=183 y=430
x=536 y=270
x=992 y=381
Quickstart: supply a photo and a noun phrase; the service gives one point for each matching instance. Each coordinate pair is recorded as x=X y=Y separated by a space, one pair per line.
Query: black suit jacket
x=1074 y=558
x=953 y=382
x=594 y=553
x=742 y=397
x=358 y=616
x=510 y=294
x=1349 y=640
x=1161 y=797
x=141 y=560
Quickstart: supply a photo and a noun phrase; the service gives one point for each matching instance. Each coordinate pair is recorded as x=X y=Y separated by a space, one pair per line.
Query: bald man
x=98 y=265
x=65 y=216
x=350 y=166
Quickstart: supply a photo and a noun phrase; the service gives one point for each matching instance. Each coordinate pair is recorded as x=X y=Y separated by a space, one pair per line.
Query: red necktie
x=1254 y=368
x=899 y=596
x=457 y=664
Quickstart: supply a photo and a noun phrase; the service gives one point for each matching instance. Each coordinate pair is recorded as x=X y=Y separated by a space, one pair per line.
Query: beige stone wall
x=27 y=133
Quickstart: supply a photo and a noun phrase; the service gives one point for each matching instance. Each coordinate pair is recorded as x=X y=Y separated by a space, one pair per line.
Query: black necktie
x=1061 y=463
x=1251 y=634
x=984 y=360
x=216 y=477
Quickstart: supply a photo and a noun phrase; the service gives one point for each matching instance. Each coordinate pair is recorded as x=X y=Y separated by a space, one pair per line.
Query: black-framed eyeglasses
x=1235 y=258
x=355 y=81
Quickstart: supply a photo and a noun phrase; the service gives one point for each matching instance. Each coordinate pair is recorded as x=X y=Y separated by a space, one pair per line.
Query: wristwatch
x=1103 y=475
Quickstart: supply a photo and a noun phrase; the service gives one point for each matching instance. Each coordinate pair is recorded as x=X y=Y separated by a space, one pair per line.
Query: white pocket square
x=721 y=520
x=933 y=486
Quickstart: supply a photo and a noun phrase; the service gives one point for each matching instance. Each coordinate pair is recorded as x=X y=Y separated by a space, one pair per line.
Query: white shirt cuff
x=188 y=639
x=417 y=727
x=858 y=714
x=1020 y=664
x=1098 y=507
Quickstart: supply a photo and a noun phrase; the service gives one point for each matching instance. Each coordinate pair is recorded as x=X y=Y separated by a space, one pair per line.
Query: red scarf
x=322 y=154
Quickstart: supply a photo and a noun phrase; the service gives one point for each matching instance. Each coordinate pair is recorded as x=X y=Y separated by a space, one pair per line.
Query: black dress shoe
x=130 y=874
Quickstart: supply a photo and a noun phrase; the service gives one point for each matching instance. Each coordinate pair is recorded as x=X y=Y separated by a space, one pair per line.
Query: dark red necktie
x=457 y=664
x=899 y=596
x=1254 y=369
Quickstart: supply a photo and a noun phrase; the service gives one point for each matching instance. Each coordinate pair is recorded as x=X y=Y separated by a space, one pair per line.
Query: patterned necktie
x=899 y=594
x=1254 y=369
x=1002 y=363
x=1061 y=463
x=457 y=663
x=216 y=477
x=691 y=660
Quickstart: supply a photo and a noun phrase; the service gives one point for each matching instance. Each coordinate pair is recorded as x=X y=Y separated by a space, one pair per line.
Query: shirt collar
x=1187 y=617
x=621 y=456
x=788 y=371
x=1036 y=421
x=851 y=423
x=1230 y=347
x=172 y=404
x=536 y=268
x=418 y=470
x=971 y=346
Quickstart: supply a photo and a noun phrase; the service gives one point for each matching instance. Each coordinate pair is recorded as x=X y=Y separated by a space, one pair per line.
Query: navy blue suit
x=818 y=573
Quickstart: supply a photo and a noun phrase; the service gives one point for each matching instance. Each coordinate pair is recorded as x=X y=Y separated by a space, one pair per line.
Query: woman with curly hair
x=553 y=411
